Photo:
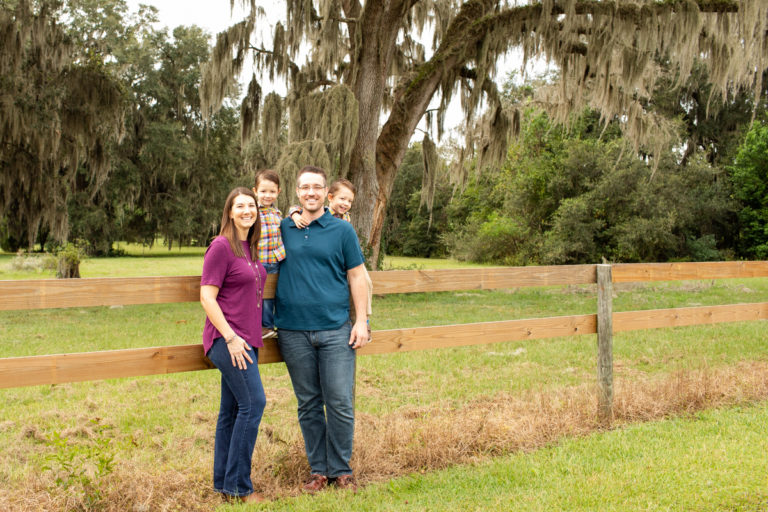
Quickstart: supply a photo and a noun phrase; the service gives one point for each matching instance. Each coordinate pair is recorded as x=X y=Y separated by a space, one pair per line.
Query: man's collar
x=322 y=220
x=325 y=217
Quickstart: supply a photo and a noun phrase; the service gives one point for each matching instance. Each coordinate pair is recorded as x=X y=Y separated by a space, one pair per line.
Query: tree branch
x=261 y=50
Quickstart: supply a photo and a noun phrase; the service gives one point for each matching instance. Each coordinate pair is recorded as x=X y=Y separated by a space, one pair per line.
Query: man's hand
x=359 y=334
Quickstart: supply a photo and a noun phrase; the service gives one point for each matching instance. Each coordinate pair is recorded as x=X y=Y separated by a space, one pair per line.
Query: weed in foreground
x=80 y=469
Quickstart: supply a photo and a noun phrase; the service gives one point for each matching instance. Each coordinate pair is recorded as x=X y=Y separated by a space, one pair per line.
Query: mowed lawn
x=436 y=429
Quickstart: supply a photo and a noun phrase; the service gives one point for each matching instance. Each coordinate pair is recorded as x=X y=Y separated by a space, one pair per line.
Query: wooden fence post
x=604 y=344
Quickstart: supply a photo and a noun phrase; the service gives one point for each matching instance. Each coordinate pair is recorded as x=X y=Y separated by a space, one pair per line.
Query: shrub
x=26 y=262
x=68 y=260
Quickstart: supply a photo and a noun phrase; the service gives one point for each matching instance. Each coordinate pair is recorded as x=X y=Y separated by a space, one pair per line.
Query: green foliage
x=497 y=239
x=81 y=468
x=61 y=108
x=633 y=215
x=750 y=187
x=13 y=233
x=710 y=124
x=579 y=195
x=164 y=178
x=411 y=229
x=68 y=259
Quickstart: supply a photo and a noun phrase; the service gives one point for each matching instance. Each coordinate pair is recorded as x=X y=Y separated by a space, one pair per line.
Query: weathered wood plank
x=422 y=338
x=680 y=317
x=604 y=345
x=635 y=272
x=104 y=291
x=60 y=368
x=65 y=293
x=107 y=291
x=110 y=364
x=439 y=280
x=62 y=293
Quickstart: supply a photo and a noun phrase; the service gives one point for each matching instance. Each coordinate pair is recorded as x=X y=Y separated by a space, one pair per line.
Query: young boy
x=341 y=195
x=271 y=248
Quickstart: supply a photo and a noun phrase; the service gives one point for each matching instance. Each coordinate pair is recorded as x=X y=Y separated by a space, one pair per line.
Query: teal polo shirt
x=312 y=288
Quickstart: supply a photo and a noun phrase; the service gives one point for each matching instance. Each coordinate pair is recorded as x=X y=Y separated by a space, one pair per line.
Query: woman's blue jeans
x=242 y=405
x=322 y=369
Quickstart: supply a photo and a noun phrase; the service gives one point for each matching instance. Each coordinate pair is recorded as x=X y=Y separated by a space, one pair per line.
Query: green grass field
x=494 y=427
x=185 y=261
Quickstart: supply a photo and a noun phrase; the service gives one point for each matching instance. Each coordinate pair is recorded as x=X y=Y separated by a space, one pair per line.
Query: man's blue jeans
x=242 y=405
x=322 y=369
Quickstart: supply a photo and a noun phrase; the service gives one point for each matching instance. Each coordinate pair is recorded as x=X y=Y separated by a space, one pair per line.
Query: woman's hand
x=237 y=351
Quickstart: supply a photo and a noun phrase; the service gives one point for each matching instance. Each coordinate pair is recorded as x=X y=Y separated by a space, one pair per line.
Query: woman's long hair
x=228 y=225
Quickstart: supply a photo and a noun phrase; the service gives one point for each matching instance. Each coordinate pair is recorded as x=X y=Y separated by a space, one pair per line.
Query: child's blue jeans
x=268 y=307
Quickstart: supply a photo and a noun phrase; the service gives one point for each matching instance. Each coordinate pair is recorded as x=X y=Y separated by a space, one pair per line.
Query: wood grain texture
x=422 y=338
x=604 y=345
x=104 y=291
x=64 y=293
x=680 y=317
x=110 y=364
x=637 y=272
x=113 y=291
x=439 y=280
x=60 y=368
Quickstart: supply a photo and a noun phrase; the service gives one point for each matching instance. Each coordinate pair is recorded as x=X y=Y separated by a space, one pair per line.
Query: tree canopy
x=60 y=108
x=101 y=132
x=609 y=55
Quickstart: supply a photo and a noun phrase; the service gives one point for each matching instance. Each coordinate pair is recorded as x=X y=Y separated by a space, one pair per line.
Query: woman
x=231 y=291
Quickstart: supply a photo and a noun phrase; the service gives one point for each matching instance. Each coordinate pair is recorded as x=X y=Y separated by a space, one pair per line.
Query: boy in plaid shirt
x=271 y=248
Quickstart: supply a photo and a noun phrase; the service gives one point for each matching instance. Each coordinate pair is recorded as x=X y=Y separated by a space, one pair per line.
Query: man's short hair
x=314 y=170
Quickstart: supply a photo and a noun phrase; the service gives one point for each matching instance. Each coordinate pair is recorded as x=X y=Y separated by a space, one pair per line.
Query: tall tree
x=176 y=170
x=59 y=108
x=365 y=56
x=170 y=170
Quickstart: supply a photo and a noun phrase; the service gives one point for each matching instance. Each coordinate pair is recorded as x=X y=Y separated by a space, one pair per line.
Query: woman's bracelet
x=230 y=339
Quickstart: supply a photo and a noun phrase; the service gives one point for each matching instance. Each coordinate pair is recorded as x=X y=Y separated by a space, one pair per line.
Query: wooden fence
x=60 y=368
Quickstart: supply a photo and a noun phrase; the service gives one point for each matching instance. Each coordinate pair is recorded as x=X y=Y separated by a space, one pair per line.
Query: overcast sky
x=212 y=15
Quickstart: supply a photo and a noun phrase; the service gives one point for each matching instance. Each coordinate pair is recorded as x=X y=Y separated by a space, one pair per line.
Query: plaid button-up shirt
x=271 y=248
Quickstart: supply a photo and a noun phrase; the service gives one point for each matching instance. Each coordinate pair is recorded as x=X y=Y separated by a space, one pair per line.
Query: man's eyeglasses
x=313 y=188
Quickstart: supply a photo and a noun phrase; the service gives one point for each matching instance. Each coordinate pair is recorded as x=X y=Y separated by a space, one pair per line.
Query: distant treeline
x=581 y=193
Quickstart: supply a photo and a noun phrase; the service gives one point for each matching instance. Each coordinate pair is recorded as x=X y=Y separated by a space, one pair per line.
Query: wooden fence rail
x=61 y=368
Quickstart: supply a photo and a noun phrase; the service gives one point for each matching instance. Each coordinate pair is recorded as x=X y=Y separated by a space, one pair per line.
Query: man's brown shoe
x=315 y=483
x=346 y=482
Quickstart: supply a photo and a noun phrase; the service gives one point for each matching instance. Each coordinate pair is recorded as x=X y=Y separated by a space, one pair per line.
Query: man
x=323 y=265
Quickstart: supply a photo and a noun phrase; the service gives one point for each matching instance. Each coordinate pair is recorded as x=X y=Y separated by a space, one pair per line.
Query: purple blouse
x=240 y=291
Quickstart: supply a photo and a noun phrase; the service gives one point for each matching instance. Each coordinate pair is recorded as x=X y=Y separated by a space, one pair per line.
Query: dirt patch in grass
x=413 y=439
